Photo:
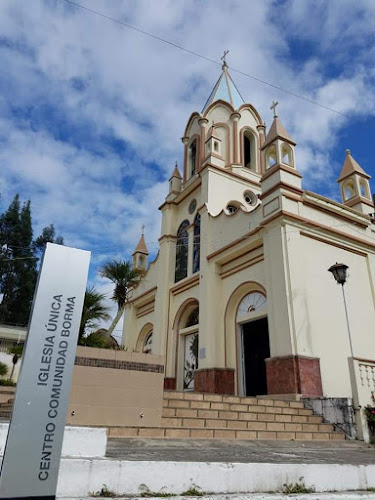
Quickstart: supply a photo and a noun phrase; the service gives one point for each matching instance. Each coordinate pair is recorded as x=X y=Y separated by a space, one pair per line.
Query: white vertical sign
x=32 y=454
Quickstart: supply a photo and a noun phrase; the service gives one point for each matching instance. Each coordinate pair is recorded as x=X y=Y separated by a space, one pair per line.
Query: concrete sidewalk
x=349 y=495
x=272 y=452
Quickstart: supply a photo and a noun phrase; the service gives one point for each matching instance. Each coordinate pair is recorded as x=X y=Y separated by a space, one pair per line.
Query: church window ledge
x=189 y=329
x=185 y=284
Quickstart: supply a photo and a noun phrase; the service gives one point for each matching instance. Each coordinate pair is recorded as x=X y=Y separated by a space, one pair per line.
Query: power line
x=201 y=56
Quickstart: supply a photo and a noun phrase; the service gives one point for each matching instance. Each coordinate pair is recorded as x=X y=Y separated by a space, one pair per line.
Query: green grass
x=296 y=488
x=104 y=492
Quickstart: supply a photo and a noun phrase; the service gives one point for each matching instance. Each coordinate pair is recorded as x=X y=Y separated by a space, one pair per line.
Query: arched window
x=349 y=189
x=193 y=157
x=193 y=318
x=197 y=243
x=147 y=344
x=249 y=150
x=252 y=302
x=271 y=157
x=182 y=245
x=363 y=188
x=286 y=155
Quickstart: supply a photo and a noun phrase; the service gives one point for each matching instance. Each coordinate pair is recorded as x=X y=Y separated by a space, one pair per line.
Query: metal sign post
x=32 y=454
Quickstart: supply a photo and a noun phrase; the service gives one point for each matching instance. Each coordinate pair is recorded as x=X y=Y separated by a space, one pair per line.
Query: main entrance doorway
x=255 y=349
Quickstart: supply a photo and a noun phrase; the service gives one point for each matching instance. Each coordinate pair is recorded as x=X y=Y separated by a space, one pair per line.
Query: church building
x=240 y=299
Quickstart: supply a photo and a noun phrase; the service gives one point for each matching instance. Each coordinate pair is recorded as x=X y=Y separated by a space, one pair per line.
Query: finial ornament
x=347 y=151
x=143 y=229
x=225 y=65
x=273 y=107
x=176 y=164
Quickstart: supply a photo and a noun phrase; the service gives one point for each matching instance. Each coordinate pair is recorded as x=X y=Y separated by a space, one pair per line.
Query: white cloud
x=93 y=112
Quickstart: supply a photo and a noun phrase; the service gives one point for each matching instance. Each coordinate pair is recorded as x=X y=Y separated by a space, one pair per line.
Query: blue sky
x=91 y=113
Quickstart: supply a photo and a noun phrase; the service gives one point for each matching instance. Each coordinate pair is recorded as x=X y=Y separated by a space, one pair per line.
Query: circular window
x=232 y=207
x=250 y=198
x=192 y=206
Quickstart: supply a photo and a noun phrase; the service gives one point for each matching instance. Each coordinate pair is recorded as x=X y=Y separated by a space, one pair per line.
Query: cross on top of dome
x=225 y=89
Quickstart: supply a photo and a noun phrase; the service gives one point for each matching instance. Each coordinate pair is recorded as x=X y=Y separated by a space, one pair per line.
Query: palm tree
x=3 y=369
x=93 y=311
x=124 y=277
x=17 y=351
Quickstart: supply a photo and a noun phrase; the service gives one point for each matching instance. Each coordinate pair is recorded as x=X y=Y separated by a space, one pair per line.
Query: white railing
x=362 y=374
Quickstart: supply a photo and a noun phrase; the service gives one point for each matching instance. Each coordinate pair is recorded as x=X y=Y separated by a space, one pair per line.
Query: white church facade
x=239 y=299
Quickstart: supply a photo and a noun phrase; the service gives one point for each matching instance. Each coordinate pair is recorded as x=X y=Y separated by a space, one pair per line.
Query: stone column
x=262 y=137
x=203 y=124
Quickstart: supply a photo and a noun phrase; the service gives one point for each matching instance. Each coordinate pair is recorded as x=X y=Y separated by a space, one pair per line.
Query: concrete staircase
x=6 y=409
x=193 y=415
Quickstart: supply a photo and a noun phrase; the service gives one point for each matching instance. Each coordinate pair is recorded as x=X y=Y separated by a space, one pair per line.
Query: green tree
x=48 y=236
x=100 y=338
x=17 y=351
x=19 y=255
x=94 y=310
x=124 y=277
x=17 y=264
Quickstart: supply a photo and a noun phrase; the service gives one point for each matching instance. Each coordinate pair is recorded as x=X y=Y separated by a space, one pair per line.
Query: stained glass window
x=182 y=244
x=197 y=243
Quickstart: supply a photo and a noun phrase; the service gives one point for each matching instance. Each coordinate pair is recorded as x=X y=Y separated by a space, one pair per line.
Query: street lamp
x=339 y=272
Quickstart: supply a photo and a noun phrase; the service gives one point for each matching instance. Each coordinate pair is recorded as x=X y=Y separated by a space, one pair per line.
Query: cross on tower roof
x=143 y=229
x=274 y=104
x=223 y=59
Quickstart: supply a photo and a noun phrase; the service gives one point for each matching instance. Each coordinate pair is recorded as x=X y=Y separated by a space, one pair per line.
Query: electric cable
x=201 y=56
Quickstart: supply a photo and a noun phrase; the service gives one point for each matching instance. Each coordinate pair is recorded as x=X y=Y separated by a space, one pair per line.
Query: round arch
x=183 y=331
x=230 y=322
x=144 y=333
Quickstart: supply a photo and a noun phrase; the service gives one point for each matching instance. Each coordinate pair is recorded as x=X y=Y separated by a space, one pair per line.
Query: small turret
x=175 y=180
x=355 y=186
x=213 y=149
x=278 y=147
x=140 y=254
x=279 y=159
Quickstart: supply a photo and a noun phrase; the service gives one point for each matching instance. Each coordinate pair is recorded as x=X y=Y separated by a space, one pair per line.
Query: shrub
x=3 y=369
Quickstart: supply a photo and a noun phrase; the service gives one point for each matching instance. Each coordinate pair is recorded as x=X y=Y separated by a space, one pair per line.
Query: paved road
x=179 y=450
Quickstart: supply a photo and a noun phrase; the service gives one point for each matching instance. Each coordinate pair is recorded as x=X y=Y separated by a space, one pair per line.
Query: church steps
x=209 y=416
x=244 y=424
x=221 y=433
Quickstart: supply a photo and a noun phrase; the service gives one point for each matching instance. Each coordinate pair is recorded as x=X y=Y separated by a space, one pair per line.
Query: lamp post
x=339 y=272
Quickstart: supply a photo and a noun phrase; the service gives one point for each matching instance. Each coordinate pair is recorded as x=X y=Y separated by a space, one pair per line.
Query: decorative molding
x=151 y=290
x=281 y=166
x=272 y=205
x=282 y=185
x=186 y=284
x=332 y=243
x=118 y=365
x=244 y=265
x=314 y=224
